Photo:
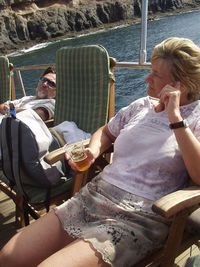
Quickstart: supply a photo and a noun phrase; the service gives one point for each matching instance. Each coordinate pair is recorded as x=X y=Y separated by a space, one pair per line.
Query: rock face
x=24 y=23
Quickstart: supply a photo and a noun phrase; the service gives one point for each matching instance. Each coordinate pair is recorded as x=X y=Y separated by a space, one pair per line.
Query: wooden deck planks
x=7 y=219
x=180 y=260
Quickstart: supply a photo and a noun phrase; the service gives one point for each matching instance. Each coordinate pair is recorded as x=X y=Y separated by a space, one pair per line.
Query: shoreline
x=34 y=45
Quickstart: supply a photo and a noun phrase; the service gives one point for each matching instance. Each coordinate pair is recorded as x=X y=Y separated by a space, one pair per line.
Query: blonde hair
x=184 y=57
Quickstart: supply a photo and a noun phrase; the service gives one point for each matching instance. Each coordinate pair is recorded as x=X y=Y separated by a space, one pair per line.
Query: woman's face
x=159 y=77
x=46 y=87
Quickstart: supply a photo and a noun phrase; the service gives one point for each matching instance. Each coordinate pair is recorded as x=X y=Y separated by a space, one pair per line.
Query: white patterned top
x=147 y=160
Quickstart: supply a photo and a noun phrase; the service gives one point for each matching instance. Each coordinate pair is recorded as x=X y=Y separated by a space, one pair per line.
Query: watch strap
x=180 y=124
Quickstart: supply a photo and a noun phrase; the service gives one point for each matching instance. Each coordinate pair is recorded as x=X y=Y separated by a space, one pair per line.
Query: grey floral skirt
x=119 y=225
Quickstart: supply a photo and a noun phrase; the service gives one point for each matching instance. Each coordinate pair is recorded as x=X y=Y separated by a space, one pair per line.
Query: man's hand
x=4 y=108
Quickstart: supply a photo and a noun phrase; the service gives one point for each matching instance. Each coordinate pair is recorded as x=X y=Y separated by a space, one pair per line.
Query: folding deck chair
x=28 y=179
x=85 y=95
x=7 y=92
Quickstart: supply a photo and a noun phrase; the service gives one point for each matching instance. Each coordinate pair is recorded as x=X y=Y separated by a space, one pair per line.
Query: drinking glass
x=78 y=156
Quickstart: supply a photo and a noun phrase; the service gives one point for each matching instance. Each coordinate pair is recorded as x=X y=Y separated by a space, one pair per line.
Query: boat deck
x=8 y=228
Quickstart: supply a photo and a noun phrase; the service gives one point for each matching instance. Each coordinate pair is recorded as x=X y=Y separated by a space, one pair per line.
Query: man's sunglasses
x=49 y=82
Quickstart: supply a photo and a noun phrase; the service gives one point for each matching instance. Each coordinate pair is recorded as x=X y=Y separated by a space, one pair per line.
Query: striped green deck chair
x=6 y=93
x=5 y=79
x=85 y=91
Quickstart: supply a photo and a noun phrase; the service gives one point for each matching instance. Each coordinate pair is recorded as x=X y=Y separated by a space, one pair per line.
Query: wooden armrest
x=55 y=155
x=49 y=123
x=175 y=202
x=59 y=153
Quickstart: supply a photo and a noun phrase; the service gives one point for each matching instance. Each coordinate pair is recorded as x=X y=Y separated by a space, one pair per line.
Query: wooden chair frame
x=177 y=207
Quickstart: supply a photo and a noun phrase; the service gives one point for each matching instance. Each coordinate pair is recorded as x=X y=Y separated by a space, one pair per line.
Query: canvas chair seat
x=37 y=196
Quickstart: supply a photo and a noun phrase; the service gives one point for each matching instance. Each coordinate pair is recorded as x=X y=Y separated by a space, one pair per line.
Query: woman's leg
x=77 y=254
x=35 y=243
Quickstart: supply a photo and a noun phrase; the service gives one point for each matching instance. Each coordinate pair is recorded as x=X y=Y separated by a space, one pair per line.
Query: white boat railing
x=19 y=70
x=133 y=65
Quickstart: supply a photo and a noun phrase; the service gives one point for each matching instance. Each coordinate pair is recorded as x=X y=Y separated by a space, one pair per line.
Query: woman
x=110 y=222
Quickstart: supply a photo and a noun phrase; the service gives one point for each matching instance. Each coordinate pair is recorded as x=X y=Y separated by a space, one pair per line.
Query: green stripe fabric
x=5 y=80
x=82 y=77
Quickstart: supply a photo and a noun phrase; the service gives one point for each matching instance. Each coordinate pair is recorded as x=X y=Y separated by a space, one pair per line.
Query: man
x=44 y=100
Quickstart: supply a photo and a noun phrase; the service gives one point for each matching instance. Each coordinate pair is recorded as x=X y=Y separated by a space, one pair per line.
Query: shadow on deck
x=8 y=226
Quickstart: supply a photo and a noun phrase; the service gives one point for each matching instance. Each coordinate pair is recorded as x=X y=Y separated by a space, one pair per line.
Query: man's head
x=46 y=87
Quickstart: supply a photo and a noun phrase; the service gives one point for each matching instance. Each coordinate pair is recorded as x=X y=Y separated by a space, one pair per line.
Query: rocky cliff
x=25 y=23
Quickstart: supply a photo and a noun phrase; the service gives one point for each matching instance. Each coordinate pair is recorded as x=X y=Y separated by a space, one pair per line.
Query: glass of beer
x=78 y=156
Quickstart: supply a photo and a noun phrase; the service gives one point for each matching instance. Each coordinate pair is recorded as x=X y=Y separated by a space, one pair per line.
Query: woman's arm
x=189 y=145
x=100 y=141
x=190 y=150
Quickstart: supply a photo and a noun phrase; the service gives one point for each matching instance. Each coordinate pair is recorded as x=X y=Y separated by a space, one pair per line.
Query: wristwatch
x=180 y=124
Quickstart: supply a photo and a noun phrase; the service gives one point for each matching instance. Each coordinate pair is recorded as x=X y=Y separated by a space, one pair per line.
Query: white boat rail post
x=143 y=36
x=141 y=64
x=20 y=81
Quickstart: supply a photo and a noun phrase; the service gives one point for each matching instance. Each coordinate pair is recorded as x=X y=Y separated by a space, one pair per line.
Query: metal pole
x=143 y=37
x=21 y=85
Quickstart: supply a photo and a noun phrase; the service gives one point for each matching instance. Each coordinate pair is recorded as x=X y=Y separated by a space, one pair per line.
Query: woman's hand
x=90 y=159
x=170 y=101
x=100 y=141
